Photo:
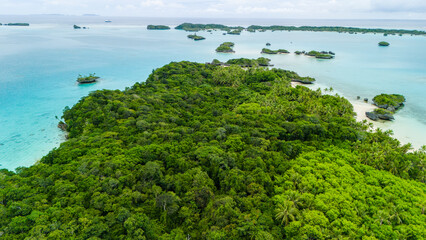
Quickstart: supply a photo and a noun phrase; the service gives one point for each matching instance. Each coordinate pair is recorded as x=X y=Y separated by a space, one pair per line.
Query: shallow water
x=39 y=65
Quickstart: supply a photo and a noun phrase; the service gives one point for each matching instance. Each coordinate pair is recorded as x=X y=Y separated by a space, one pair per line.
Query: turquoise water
x=39 y=65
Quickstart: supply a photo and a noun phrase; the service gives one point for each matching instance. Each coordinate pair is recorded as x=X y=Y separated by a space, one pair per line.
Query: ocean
x=39 y=65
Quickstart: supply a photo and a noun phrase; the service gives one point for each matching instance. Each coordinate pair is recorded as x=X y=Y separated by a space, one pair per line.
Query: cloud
x=224 y=8
x=152 y=3
x=399 y=6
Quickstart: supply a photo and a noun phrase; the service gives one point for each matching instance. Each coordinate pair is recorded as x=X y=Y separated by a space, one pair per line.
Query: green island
x=234 y=32
x=18 y=24
x=200 y=151
x=244 y=62
x=387 y=105
x=226 y=47
x=351 y=30
x=157 y=27
x=254 y=28
x=383 y=44
x=269 y=51
x=318 y=54
x=198 y=27
x=91 y=78
x=389 y=100
x=195 y=37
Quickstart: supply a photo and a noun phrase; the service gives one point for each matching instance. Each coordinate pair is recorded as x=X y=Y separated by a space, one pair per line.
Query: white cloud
x=224 y=8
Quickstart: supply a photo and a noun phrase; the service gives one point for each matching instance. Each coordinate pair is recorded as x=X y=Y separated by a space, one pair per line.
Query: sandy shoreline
x=360 y=107
x=294 y=84
x=404 y=129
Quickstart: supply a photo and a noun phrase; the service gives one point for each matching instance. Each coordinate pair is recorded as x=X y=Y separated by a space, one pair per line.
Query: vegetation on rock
x=269 y=51
x=198 y=27
x=320 y=55
x=235 y=32
x=336 y=29
x=195 y=37
x=158 y=27
x=19 y=24
x=91 y=78
x=383 y=44
x=226 y=47
x=389 y=100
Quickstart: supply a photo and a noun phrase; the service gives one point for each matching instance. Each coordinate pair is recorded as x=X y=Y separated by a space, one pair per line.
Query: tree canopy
x=201 y=151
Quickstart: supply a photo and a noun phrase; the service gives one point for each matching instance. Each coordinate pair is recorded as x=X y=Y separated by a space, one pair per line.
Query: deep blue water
x=39 y=65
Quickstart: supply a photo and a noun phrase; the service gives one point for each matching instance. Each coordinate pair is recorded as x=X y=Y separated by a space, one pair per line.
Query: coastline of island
x=257 y=28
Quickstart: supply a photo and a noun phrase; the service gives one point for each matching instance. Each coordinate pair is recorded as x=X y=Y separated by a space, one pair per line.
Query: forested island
x=157 y=27
x=336 y=29
x=226 y=47
x=387 y=105
x=195 y=37
x=17 y=24
x=254 y=28
x=200 y=151
x=235 y=32
x=198 y=27
x=78 y=27
x=91 y=78
x=269 y=51
x=383 y=44
x=320 y=54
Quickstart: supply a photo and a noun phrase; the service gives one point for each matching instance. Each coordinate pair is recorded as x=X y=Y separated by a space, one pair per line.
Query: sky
x=322 y=9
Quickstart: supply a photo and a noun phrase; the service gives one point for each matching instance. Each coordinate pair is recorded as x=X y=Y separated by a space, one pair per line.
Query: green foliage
x=198 y=27
x=386 y=100
x=19 y=24
x=226 y=47
x=235 y=32
x=209 y=152
x=158 y=27
x=87 y=79
x=269 y=51
x=335 y=29
x=320 y=55
x=383 y=44
x=382 y=111
x=195 y=37
x=245 y=62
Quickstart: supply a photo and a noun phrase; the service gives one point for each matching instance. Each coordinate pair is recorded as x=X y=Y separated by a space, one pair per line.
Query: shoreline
x=360 y=107
x=403 y=128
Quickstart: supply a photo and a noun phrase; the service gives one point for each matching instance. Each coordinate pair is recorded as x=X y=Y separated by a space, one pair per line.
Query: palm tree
x=397 y=215
x=286 y=212
x=382 y=217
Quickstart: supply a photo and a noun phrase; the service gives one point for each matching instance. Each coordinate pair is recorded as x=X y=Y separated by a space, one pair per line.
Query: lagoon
x=39 y=65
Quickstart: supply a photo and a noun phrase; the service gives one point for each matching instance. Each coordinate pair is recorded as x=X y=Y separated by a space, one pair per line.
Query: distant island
x=254 y=28
x=198 y=27
x=195 y=37
x=235 y=32
x=387 y=105
x=157 y=27
x=336 y=29
x=226 y=47
x=269 y=51
x=87 y=79
x=78 y=27
x=18 y=24
x=383 y=44
x=320 y=55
